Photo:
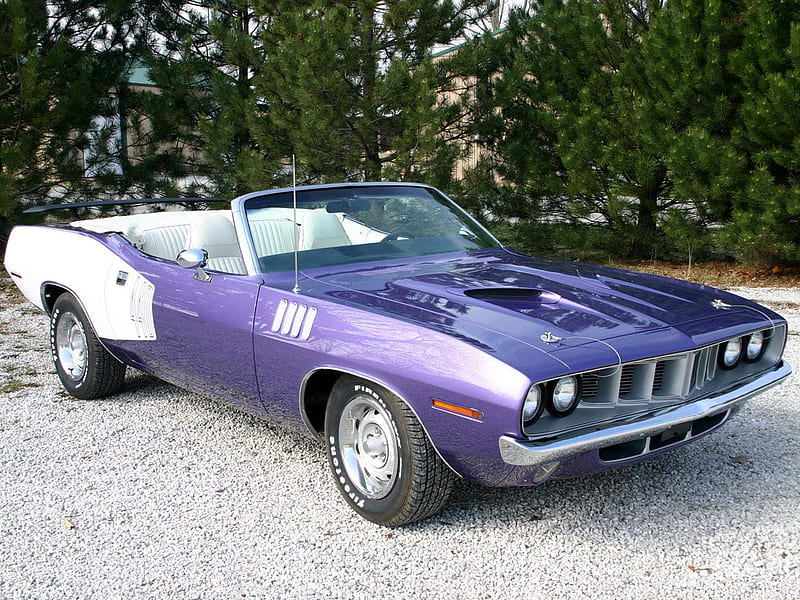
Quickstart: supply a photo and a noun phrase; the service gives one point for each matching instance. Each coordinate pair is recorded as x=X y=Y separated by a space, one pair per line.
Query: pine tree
x=59 y=61
x=724 y=80
x=354 y=87
x=692 y=100
x=567 y=116
x=204 y=56
x=657 y=117
x=765 y=225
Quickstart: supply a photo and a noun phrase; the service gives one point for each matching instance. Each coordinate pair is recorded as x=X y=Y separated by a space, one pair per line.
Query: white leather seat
x=163 y=242
x=273 y=236
x=215 y=234
x=321 y=229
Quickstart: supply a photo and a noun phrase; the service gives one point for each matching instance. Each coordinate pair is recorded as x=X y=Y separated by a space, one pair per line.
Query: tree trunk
x=648 y=195
x=369 y=66
x=648 y=211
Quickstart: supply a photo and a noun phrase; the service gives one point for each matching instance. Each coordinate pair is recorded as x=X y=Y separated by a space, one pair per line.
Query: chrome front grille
x=615 y=392
x=657 y=380
x=637 y=383
x=705 y=367
x=626 y=380
x=590 y=386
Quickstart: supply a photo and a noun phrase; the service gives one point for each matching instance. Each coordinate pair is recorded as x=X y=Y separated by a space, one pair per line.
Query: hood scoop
x=513 y=297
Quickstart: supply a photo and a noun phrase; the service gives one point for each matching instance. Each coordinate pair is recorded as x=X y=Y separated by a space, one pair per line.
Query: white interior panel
x=36 y=255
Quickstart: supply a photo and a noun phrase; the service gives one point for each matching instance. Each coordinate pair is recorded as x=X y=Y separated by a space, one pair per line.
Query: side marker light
x=459 y=410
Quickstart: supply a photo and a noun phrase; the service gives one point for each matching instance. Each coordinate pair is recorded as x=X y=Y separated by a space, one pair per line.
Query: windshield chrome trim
x=247 y=246
x=242 y=227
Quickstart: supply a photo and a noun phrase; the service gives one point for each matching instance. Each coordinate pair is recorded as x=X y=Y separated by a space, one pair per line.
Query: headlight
x=730 y=353
x=755 y=347
x=533 y=405
x=564 y=396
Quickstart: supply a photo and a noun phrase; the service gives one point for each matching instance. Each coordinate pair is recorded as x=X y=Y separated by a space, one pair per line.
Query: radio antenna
x=296 y=287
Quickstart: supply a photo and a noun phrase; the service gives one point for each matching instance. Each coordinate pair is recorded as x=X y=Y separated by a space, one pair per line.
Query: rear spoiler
x=128 y=202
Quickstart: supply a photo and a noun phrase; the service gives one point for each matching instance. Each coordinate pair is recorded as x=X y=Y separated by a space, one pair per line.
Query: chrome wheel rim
x=369 y=448
x=71 y=346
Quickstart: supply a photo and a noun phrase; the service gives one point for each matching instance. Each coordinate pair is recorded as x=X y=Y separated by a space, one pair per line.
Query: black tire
x=382 y=461
x=86 y=369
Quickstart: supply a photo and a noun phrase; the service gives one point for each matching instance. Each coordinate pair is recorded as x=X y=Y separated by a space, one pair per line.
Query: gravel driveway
x=158 y=493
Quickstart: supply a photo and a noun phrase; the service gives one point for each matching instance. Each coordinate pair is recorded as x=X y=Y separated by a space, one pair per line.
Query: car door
x=204 y=332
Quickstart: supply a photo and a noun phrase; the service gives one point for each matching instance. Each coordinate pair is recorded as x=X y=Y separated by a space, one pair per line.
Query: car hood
x=496 y=299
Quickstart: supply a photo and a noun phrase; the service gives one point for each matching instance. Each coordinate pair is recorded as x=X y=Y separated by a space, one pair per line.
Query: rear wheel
x=86 y=369
x=381 y=458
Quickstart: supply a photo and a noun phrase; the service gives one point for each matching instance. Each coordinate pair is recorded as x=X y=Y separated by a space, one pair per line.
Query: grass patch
x=9 y=293
x=716 y=273
x=784 y=305
x=710 y=264
x=16 y=385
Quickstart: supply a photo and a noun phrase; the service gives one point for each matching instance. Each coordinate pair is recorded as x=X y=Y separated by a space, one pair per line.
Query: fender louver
x=294 y=320
x=142 y=308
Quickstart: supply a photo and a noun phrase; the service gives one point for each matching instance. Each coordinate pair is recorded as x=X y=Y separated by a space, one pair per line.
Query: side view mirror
x=194 y=258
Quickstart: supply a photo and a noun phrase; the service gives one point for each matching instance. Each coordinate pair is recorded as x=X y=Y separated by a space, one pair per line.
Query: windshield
x=340 y=225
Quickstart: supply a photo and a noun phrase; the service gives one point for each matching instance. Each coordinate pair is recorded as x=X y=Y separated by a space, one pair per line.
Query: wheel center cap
x=374 y=444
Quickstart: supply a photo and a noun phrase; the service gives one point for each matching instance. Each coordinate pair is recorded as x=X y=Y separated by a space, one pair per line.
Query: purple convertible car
x=390 y=324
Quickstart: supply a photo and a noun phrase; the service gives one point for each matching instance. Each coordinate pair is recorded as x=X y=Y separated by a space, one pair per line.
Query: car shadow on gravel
x=670 y=492
x=139 y=384
x=737 y=467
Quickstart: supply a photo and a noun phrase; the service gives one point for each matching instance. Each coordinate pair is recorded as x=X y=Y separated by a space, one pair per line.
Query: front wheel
x=381 y=458
x=86 y=369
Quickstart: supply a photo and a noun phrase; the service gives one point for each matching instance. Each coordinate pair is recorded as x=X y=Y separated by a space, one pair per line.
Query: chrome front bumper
x=538 y=453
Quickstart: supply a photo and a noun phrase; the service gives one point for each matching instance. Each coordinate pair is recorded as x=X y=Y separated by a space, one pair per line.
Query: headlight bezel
x=761 y=350
x=540 y=402
x=722 y=361
x=552 y=408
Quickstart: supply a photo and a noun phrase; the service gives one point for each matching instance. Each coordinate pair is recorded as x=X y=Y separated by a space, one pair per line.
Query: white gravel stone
x=157 y=493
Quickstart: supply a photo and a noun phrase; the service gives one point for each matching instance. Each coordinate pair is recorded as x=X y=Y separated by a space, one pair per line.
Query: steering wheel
x=393 y=237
